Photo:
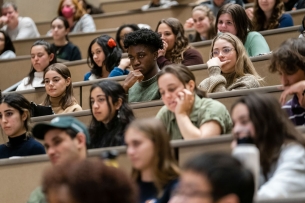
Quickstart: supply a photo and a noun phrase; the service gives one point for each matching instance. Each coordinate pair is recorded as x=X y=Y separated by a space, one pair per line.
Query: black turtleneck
x=21 y=146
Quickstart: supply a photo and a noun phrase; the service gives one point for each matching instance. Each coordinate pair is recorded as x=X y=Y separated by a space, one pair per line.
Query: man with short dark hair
x=65 y=139
x=214 y=177
x=142 y=48
x=17 y=27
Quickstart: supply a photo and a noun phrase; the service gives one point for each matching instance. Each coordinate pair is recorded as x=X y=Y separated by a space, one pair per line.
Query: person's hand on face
x=185 y=100
x=3 y=20
x=132 y=78
x=297 y=89
x=162 y=52
x=189 y=23
x=124 y=63
x=215 y=61
x=249 y=12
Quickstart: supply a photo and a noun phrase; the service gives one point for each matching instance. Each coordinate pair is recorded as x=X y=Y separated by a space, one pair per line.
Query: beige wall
x=38 y=10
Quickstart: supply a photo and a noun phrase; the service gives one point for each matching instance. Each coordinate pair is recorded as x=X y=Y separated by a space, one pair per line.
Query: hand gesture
x=185 y=100
x=124 y=63
x=249 y=12
x=162 y=52
x=189 y=23
x=298 y=89
x=216 y=62
x=132 y=78
x=3 y=20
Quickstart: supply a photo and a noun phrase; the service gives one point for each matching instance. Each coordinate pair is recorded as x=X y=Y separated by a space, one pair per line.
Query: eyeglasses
x=225 y=51
x=190 y=192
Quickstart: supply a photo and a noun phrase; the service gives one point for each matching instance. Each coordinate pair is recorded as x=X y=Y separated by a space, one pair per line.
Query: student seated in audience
x=142 y=48
x=214 y=177
x=15 y=115
x=65 y=139
x=281 y=146
x=58 y=85
x=203 y=21
x=232 y=18
x=90 y=9
x=176 y=48
x=293 y=4
x=215 y=5
x=110 y=114
x=154 y=168
x=269 y=15
x=63 y=48
x=229 y=66
x=104 y=59
x=187 y=114
x=42 y=55
x=122 y=31
x=79 y=20
x=159 y=4
x=88 y=181
x=7 y=49
x=288 y=61
x=17 y=27
x=302 y=28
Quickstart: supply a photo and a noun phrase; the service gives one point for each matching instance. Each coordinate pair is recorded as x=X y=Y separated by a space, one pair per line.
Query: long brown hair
x=242 y=23
x=181 y=43
x=272 y=127
x=79 y=11
x=259 y=17
x=68 y=98
x=243 y=65
x=165 y=168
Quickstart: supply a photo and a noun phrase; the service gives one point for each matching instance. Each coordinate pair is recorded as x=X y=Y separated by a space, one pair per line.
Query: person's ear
x=118 y=104
x=24 y=115
x=51 y=57
x=68 y=81
x=230 y=198
x=155 y=55
x=191 y=85
x=80 y=140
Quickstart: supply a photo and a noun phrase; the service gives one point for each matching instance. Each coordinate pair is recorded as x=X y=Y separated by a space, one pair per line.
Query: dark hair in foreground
x=110 y=134
x=20 y=103
x=225 y=174
x=289 y=57
x=48 y=48
x=272 y=127
x=90 y=181
x=183 y=74
x=145 y=37
x=134 y=27
x=68 y=98
x=243 y=24
x=112 y=55
x=8 y=44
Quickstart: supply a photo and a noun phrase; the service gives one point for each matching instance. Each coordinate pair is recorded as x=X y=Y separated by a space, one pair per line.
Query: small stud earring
x=118 y=114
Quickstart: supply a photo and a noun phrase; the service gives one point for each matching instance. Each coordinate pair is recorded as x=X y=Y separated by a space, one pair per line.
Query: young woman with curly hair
x=269 y=14
x=229 y=66
x=176 y=48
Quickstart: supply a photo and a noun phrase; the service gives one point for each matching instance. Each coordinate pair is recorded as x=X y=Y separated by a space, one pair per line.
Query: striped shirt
x=295 y=112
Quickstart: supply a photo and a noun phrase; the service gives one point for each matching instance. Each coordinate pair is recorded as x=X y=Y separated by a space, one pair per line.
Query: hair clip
x=111 y=43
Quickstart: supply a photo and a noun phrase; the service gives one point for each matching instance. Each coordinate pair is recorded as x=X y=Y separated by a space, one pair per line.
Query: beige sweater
x=58 y=110
x=221 y=82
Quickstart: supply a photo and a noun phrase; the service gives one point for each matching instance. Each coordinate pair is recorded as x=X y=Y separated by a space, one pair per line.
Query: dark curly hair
x=134 y=27
x=243 y=24
x=112 y=56
x=181 y=43
x=146 y=37
x=289 y=57
x=259 y=17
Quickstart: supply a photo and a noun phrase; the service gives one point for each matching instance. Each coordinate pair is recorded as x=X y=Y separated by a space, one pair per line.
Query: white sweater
x=287 y=176
x=38 y=78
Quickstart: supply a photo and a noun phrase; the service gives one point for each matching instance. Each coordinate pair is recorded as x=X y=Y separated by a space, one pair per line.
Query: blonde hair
x=165 y=168
x=208 y=13
x=243 y=65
